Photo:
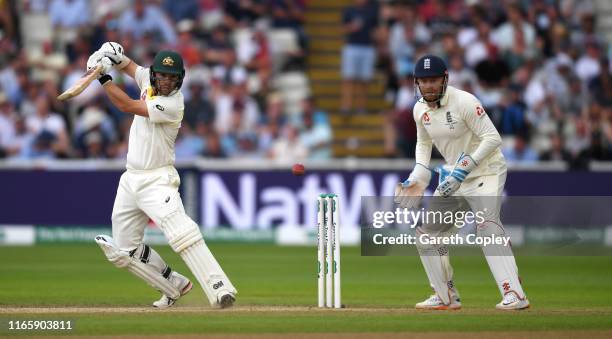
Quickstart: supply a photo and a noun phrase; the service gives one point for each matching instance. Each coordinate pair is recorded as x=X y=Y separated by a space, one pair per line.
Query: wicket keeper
x=473 y=178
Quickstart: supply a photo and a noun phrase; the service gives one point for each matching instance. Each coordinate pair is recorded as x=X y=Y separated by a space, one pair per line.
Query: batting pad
x=146 y=264
x=185 y=238
x=439 y=271
x=501 y=261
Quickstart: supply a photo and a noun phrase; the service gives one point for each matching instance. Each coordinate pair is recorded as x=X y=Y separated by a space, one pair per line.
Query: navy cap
x=429 y=66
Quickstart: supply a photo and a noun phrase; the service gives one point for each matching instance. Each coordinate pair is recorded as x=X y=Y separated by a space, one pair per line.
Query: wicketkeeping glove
x=465 y=164
x=408 y=194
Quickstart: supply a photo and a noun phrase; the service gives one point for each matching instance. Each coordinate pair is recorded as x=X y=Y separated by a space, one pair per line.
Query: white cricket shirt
x=151 y=142
x=459 y=125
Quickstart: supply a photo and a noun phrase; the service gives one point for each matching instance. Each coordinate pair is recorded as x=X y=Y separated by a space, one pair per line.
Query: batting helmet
x=168 y=62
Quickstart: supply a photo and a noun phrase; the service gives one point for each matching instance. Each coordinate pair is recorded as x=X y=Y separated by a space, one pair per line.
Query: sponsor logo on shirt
x=160 y=107
x=479 y=111
x=426 y=119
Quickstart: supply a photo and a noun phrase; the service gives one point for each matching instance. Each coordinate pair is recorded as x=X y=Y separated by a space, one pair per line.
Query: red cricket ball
x=298 y=169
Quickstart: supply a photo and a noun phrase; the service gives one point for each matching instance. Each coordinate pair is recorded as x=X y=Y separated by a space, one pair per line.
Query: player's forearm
x=123 y=102
x=422 y=153
x=130 y=69
x=489 y=143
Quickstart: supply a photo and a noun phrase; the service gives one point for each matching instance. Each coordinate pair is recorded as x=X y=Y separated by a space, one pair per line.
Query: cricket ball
x=298 y=169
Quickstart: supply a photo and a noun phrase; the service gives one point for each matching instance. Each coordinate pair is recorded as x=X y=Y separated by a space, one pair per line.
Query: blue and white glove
x=408 y=194
x=451 y=182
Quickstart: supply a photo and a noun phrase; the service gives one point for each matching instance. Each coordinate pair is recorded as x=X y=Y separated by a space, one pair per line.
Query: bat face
x=81 y=84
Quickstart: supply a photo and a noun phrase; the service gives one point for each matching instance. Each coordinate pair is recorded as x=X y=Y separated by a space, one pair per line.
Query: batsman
x=148 y=189
x=473 y=179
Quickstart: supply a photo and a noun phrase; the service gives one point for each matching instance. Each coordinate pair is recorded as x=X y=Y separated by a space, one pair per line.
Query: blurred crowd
x=245 y=95
x=539 y=67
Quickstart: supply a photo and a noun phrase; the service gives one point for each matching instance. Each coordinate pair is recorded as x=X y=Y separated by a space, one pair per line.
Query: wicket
x=328 y=250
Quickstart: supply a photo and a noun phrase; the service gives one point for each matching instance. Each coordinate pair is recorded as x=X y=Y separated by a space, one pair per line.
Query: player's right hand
x=98 y=58
x=408 y=194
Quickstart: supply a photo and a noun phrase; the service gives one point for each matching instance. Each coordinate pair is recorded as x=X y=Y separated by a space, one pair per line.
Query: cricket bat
x=81 y=84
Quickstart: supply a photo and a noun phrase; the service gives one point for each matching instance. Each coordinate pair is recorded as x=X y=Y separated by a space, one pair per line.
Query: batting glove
x=450 y=184
x=408 y=193
x=115 y=53
x=98 y=58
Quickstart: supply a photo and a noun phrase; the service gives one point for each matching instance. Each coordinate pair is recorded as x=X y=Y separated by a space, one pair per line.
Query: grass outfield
x=277 y=287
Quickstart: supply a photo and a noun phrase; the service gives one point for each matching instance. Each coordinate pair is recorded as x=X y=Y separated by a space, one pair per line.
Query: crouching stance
x=472 y=179
x=149 y=187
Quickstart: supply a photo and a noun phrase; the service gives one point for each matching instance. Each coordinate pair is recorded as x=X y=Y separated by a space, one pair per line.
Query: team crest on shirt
x=449 y=121
x=426 y=119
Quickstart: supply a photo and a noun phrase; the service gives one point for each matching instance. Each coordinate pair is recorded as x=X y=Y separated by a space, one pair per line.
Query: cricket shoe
x=435 y=303
x=512 y=302
x=183 y=284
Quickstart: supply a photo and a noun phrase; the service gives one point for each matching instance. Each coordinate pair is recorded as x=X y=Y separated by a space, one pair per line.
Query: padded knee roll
x=143 y=262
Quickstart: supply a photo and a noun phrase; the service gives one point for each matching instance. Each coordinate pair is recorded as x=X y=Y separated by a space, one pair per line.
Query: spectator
x=557 y=151
x=515 y=39
x=186 y=45
x=289 y=14
x=578 y=141
x=218 y=49
x=54 y=127
x=399 y=127
x=213 y=146
x=198 y=109
x=7 y=125
x=600 y=87
x=587 y=67
x=289 y=147
x=458 y=74
x=520 y=152
x=69 y=13
x=358 y=55
x=147 y=18
x=405 y=33
x=181 y=10
x=316 y=132
x=189 y=144
x=513 y=116
x=242 y=13
x=21 y=140
x=94 y=132
x=236 y=100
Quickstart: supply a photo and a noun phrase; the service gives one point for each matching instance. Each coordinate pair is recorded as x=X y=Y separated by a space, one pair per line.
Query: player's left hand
x=449 y=185
x=115 y=53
